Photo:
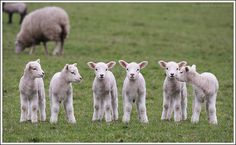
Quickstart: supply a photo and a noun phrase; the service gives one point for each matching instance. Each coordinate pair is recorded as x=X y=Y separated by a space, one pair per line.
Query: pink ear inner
x=123 y=64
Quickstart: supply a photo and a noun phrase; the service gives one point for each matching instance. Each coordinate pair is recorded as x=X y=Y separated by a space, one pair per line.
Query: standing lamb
x=174 y=92
x=105 y=95
x=32 y=93
x=205 y=87
x=60 y=90
x=43 y=25
x=12 y=8
x=134 y=90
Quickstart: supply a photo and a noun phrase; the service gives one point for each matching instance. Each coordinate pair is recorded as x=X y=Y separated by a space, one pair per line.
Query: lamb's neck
x=28 y=77
x=197 y=80
x=64 y=79
x=172 y=80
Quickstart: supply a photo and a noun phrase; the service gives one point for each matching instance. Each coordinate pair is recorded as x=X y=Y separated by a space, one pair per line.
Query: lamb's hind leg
x=184 y=104
x=211 y=108
x=42 y=106
x=114 y=103
x=196 y=108
x=68 y=105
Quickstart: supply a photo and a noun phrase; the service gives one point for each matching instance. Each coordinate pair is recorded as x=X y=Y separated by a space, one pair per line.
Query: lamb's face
x=35 y=69
x=133 y=68
x=101 y=68
x=171 y=68
x=73 y=74
x=182 y=74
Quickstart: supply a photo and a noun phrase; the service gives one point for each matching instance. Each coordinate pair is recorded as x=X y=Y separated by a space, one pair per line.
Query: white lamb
x=105 y=95
x=205 y=87
x=60 y=90
x=32 y=93
x=134 y=90
x=174 y=92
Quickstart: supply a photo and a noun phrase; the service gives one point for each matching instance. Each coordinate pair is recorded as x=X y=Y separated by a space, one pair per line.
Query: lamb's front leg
x=166 y=106
x=55 y=106
x=34 y=108
x=68 y=105
x=107 y=104
x=141 y=105
x=42 y=105
x=196 y=108
x=184 y=104
x=177 y=108
x=96 y=106
x=24 y=108
x=127 y=105
x=114 y=103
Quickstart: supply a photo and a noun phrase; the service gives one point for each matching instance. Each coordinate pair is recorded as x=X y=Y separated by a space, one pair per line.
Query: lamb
x=174 y=92
x=43 y=25
x=205 y=87
x=12 y=8
x=134 y=90
x=60 y=90
x=32 y=94
x=105 y=95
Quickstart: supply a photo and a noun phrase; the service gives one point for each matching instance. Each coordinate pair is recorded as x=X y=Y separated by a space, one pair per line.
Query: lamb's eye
x=127 y=69
x=34 y=68
x=96 y=69
x=167 y=68
x=177 y=69
x=137 y=69
x=181 y=72
x=106 y=69
x=73 y=73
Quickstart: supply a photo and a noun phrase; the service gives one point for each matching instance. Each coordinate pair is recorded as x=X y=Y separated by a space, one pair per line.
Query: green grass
x=201 y=34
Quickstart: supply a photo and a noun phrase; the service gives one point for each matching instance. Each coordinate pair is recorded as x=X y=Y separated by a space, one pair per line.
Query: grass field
x=201 y=34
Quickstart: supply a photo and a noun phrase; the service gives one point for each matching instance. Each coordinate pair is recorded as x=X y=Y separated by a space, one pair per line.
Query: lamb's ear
x=182 y=64
x=193 y=67
x=162 y=63
x=38 y=60
x=143 y=64
x=111 y=64
x=75 y=64
x=66 y=67
x=92 y=65
x=123 y=63
x=186 y=69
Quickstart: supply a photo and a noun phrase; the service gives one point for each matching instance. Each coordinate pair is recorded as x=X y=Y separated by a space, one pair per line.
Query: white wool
x=12 y=8
x=134 y=90
x=60 y=91
x=205 y=87
x=174 y=92
x=32 y=93
x=105 y=95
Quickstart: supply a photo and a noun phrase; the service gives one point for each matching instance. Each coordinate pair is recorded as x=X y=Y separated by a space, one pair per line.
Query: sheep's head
x=171 y=68
x=34 y=69
x=19 y=45
x=133 y=68
x=101 y=68
x=185 y=72
x=72 y=73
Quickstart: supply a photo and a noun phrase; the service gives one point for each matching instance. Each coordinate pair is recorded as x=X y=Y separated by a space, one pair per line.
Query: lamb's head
x=171 y=68
x=133 y=68
x=34 y=70
x=72 y=73
x=19 y=45
x=101 y=68
x=185 y=73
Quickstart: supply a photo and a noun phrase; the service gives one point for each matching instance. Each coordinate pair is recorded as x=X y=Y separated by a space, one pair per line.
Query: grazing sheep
x=32 y=93
x=134 y=90
x=205 y=87
x=105 y=95
x=12 y=8
x=43 y=25
x=60 y=90
x=174 y=92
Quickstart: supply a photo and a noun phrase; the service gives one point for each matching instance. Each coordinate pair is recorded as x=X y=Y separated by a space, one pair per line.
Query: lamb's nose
x=172 y=74
x=132 y=75
x=101 y=75
x=43 y=73
x=80 y=78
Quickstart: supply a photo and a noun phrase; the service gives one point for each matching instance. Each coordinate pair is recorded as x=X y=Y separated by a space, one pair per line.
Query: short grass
x=199 y=33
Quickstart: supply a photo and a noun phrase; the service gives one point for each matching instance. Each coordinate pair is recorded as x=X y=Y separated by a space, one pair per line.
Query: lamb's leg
x=10 y=18
x=42 y=105
x=184 y=104
x=211 y=103
x=166 y=105
x=196 y=108
x=68 y=105
x=170 y=109
x=114 y=103
x=101 y=110
x=127 y=104
x=34 y=108
x=55 y=106
x=29 y=111
x=141 y=105
x=96 y=106
x=177 y=108
x=24 y=108
x=107 y=104
x=45 y=48
x=57 y=49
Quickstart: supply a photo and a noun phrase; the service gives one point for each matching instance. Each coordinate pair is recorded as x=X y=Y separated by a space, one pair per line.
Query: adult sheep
x=43 y=25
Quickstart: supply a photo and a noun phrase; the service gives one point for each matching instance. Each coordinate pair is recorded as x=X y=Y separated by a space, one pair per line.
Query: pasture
x=199 y=33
